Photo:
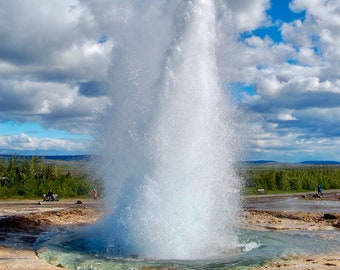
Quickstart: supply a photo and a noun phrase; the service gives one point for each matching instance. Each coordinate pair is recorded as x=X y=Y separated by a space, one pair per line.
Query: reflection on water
x=256 y=247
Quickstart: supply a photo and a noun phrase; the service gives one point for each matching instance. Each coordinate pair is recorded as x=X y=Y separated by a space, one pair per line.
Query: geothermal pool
x=70 y=248
x=255 y=248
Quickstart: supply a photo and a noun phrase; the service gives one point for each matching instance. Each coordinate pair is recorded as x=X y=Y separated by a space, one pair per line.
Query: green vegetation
x=22 y=177
x=31 y=178
x=275 y=179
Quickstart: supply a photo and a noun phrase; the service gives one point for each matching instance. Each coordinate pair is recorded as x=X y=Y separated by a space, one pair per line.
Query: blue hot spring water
x=169 y=139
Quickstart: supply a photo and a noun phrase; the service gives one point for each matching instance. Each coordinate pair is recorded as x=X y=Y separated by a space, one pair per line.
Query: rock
x=336 y=225
x=329 y=216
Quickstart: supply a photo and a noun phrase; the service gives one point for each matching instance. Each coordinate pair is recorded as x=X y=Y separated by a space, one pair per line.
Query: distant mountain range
x=312 y=162
x=260 y=161
x=331 y=162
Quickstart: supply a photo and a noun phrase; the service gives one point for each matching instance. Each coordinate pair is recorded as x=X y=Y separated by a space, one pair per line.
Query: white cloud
x=52 y=104
x=24 y=142
x=52 y=66
x=286 y=117
x=296 y=81
x=47 y=49
x=269 y=85
x=249 y=15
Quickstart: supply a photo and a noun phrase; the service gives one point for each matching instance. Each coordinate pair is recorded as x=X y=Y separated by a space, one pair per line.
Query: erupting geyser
x=169 y=142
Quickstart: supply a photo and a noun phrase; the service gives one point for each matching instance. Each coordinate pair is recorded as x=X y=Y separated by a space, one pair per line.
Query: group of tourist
x=51 y=197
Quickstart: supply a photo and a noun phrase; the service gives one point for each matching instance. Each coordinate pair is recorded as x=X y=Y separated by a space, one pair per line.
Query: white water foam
x=169 y=141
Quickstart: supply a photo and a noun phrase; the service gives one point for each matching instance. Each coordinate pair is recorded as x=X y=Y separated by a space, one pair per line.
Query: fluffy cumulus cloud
x=51 y=55
x=296 y=94
x=55 y=57
x=24 y=143
x=249 y=15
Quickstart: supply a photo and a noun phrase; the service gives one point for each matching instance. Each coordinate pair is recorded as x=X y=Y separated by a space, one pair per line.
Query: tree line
x=33 y=177
x=294 y=179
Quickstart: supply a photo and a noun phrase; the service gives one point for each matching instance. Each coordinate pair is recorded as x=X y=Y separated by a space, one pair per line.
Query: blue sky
x=281 y=61
x=10 y=128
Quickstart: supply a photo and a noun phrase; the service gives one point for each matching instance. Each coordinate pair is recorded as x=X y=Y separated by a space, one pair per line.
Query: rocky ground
x=281 y=221
x=293 y=220
x=21 y=222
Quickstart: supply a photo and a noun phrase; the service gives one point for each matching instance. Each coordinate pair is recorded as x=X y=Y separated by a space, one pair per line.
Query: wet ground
x=302 y=202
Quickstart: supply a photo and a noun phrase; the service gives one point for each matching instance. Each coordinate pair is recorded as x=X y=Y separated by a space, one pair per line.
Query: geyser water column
x=168 y=142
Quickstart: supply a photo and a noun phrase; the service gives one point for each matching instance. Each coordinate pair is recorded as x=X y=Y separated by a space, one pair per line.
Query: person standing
x=95 y=194
x=319 y=191
x=50 y=196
